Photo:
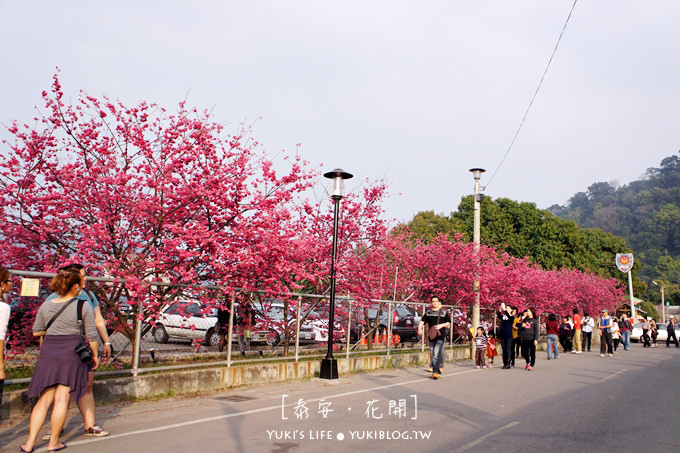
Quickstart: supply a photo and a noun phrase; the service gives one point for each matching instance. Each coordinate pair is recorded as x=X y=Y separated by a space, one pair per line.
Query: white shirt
x=588 y=325
x=4 y=319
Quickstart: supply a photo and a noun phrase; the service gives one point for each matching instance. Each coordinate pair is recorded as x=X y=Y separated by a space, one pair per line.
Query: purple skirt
x=58 y=363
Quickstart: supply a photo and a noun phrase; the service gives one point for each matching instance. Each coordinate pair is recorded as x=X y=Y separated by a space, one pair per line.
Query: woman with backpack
x=61 y=371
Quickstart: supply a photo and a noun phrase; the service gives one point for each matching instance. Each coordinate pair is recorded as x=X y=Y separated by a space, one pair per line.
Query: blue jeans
x=552 y=345
x=625 y=337
x=436 y=354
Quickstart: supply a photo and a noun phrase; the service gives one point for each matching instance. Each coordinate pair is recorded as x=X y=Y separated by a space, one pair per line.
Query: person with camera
x=529 y=331
x=438 y=321
x=68 y=344
x=505 y=314
x=86 y=404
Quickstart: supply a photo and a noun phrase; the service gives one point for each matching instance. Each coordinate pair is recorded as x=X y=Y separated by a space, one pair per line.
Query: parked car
x=313 y=328
x=636 y=333
x=403 y=322
x=183 y=319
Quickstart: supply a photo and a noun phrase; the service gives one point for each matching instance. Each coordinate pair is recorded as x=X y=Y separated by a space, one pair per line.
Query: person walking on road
x=565 y=334
x=86 y=403
x=605 y=326
x=646 y=324
x=505 y=334
x=616 y=334
x=481 y=343
x=438 y=321
x=552 y=328
x=671 y=326
x=516 y=342
x=654 y=333
x=625 y=328
x=587 y=329
x=529 y=335
x=578 y=326
x=60 y=373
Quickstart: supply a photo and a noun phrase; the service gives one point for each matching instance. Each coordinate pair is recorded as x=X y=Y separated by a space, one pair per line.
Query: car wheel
x=273 y=338
x=159 y=334
x=212 y=337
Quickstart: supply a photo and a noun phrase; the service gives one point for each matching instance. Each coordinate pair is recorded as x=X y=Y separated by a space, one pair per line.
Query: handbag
x=433 y=333
x=83 y=349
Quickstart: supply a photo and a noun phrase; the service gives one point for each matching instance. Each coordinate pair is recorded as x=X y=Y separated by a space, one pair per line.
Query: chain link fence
x=188 y=332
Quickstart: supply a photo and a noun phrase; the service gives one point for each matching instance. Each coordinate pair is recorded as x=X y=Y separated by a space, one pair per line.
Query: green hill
x=646 y=213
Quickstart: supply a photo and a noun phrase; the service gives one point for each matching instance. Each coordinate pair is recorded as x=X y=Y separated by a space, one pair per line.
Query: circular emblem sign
x=624 y=261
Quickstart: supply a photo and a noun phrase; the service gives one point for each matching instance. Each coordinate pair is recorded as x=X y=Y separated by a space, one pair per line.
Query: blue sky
x=414 y=92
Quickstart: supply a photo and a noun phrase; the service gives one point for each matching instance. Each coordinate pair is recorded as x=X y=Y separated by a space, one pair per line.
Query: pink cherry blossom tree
x=147 y=194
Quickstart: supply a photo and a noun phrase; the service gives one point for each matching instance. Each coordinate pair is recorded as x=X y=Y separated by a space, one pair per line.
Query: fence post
x=297 y=330
x=348 y=334
x=390 y=317
x=451 y=330
x=422 y=337
x=230 y=335
x=138 y=337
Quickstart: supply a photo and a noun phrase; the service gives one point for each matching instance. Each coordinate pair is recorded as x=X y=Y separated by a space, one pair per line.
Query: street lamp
x=329 y=365
x=663 y=302
x=477 y=174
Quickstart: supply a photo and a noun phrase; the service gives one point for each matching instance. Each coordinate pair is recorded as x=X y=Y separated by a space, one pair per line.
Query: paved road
x=578 y=403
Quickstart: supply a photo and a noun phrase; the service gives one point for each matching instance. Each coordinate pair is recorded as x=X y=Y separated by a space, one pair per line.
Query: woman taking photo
x=60 y=372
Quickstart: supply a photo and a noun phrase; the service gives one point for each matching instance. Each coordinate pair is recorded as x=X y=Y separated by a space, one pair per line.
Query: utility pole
x=477 y=174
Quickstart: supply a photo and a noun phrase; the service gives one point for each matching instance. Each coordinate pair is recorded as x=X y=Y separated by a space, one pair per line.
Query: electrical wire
x=526 y=113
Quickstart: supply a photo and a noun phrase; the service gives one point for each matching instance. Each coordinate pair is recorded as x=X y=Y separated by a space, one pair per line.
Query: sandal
x=96 y=431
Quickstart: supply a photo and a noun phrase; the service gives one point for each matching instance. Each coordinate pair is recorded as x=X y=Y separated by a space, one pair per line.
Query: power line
x=534 y=96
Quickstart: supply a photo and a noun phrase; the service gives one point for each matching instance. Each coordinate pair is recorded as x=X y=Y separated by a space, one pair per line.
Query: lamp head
x=337 y=176
x=477 y=173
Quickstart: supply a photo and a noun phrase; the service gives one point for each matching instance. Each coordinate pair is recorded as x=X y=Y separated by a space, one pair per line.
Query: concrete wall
x=15 y=403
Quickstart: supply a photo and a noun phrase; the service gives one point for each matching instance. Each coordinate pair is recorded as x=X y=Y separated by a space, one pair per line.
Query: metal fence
x=185 y=333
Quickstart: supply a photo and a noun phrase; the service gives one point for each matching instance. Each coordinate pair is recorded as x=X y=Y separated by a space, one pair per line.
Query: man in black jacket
x=671 y=332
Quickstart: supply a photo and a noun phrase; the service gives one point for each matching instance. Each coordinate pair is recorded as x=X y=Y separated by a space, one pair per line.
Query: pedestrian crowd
x=519 y=334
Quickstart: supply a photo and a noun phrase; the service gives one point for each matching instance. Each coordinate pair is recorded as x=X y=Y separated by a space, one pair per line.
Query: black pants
x=516 y=347
x=506 y=344
x=671 y=333
x=587 y=340
x=529 y=351
x=565 y=341
x=645 y=338
x=606 y=343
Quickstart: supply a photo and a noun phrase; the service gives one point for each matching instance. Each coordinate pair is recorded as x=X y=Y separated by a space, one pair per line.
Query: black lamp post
x=329 y=365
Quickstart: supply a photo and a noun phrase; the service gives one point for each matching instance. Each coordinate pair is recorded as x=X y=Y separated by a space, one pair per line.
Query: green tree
x=523 y=230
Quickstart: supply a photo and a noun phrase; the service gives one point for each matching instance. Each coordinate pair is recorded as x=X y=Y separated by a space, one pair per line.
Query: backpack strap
x=81 y=302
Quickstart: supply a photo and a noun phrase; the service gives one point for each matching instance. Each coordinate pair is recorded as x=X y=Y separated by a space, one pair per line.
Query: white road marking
x=615 y=374
x=252 y=411
x=481 y=439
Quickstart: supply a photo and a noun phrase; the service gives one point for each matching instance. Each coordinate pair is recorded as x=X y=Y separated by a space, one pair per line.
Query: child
x=480 y=348
x=491 y=350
